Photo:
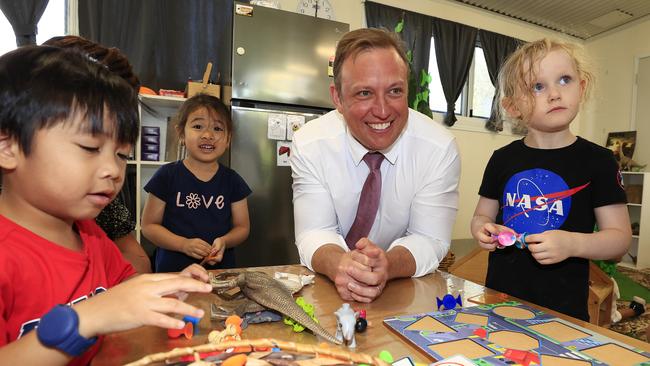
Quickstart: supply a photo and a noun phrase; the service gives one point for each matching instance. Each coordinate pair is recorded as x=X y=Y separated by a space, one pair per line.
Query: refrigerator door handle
x=268 y=110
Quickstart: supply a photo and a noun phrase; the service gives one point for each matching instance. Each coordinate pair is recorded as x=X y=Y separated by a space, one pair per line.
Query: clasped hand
x=362 y=273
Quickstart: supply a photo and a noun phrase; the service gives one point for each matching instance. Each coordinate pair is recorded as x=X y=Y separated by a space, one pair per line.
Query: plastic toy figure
x=448 y=302
x=346 y=320
x=187 y=331
x=508 y=238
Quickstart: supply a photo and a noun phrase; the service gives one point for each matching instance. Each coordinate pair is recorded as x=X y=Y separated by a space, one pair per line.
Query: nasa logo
x=536 y=200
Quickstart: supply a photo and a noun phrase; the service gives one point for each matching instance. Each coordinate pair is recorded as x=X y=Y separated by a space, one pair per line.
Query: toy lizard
x=264 y=292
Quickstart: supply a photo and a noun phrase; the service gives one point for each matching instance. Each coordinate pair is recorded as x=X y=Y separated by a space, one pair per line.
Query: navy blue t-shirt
x=195 y=209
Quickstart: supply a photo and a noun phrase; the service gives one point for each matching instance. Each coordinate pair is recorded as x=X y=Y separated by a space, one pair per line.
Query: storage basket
x=261 y=349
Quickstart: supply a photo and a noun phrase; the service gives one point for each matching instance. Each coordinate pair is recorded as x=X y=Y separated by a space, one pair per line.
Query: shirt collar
x=358 y=151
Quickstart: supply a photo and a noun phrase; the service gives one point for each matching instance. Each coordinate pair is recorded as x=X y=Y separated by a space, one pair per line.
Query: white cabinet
x=162 y=110
x=638 y=195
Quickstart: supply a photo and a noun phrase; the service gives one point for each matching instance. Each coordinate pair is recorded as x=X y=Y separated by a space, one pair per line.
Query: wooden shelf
x=639 y=247
x=160 y=109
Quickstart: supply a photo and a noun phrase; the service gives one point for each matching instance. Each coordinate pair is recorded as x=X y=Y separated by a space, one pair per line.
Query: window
x=52 y=23
x=475 y=99
x=482 y=88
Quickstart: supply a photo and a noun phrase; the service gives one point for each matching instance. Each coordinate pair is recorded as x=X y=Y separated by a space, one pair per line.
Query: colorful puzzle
x=486 y=333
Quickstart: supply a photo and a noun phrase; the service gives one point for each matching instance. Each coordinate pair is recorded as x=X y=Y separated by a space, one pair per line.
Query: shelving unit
x=637 y=187
x=161 y=109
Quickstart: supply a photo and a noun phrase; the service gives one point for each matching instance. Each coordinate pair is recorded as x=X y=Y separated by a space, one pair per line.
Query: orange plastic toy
x=187 y=331
x=145 y=90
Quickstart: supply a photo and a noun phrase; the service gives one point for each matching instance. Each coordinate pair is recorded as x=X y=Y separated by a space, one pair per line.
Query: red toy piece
x=521 y=357
x=480 y=332
x=362 y=314
x=187 y=331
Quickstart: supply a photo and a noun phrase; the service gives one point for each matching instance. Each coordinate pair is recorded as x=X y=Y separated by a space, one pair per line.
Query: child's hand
x=196 y=248
x=139 y=301
x=551 y=246
x=216 y=253
x=193 y=271
x=485 y=237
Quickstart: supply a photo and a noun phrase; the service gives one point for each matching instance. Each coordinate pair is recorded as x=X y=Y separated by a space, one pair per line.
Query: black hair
x=111 y=57
x=42 y=86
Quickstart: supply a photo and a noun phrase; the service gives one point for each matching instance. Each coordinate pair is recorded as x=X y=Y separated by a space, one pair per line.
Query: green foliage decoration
x=418 y=90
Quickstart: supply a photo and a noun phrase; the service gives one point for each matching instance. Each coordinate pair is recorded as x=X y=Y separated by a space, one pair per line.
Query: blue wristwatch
x=59 y=328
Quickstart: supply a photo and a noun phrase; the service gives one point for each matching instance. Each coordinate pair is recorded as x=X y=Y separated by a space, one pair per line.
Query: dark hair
x=198 y=101
x=358 y=40
x=42 y=86
x=111 y=57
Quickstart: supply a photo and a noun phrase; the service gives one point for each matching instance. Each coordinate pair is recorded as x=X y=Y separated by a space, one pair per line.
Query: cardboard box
x=203 y=87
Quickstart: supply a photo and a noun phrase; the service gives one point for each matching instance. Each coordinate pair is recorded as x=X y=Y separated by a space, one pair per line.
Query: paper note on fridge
x=294 y=122
x=277 y=126
x=283 y=153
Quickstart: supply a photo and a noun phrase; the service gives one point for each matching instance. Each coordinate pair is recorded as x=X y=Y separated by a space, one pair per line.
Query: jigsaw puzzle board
x=511 y=325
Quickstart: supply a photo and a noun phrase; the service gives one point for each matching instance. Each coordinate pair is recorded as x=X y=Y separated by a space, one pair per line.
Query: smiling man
x=375 y=184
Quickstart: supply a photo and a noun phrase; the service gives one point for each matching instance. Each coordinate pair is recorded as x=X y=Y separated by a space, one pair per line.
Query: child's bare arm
x=142 y=300
x=240 y=229
x=136 y=302
x=610 y=242
x=483 y=226
x=153 y=230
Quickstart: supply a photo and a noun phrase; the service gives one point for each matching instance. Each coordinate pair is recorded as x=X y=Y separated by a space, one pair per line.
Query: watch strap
x=59 y=328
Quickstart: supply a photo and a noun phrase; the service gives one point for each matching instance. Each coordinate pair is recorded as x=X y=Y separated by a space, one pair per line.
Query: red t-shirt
x=37 y=274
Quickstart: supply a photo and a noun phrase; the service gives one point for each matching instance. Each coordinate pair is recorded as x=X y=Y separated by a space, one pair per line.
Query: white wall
x=476 y=146
x=611 y=108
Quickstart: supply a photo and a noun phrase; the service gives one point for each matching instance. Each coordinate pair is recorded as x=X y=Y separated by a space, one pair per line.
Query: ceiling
x=579 y=18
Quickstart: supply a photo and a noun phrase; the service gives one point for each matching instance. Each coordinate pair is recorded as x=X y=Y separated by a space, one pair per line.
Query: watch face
x=319 y=8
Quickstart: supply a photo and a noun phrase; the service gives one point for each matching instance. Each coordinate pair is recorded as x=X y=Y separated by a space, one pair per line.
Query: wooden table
x=404 y=296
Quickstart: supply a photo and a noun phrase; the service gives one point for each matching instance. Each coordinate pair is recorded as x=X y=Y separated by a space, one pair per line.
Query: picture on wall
x=622 y=144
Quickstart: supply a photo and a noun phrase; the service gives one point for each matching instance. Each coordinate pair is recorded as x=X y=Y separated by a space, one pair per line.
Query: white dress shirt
x=419 y=192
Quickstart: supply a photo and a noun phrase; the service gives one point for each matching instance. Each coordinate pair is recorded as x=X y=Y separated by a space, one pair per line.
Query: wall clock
x=319 y=8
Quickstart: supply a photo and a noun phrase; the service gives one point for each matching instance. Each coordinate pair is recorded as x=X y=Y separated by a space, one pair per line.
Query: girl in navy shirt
x=196 y=211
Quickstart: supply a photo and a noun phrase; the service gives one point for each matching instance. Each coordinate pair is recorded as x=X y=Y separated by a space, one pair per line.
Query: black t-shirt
x=548 y=189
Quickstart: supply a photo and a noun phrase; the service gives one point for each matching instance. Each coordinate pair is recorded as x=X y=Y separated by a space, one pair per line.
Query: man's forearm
x=400 y=263
x=326 y=260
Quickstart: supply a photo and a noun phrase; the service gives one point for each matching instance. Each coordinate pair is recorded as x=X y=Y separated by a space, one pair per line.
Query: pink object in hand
x=506 y=238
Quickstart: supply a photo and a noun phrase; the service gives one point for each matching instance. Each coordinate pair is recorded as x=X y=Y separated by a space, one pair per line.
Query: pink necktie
x=368 y=202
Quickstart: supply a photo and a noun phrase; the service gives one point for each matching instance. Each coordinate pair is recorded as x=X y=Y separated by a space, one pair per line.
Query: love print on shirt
x=194 y=201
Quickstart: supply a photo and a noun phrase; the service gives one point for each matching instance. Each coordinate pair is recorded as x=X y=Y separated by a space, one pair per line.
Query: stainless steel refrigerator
x=281 y=72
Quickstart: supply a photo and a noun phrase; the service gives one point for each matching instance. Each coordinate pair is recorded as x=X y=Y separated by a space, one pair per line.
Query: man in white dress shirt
x=411 y=231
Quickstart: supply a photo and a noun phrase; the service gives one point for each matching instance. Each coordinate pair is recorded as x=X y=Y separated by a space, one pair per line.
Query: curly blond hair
x=518 y=72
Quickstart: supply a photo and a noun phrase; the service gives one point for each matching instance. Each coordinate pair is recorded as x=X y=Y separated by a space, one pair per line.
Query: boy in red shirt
x=67 y=125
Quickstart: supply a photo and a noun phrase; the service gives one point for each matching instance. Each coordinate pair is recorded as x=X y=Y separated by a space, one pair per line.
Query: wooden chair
x=473 y=267
x=601 y=293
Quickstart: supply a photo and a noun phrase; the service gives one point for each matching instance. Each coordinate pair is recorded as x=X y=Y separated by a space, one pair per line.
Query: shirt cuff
x=427 y=252
x=309 y=242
